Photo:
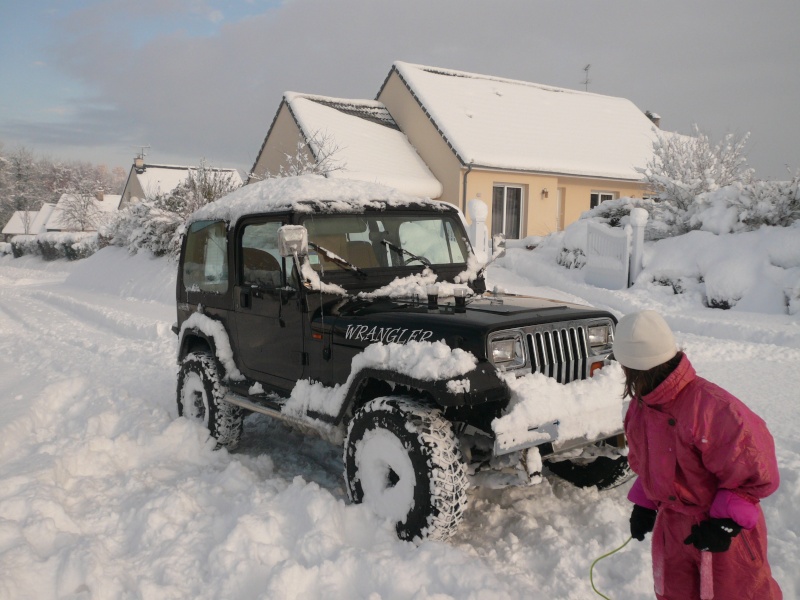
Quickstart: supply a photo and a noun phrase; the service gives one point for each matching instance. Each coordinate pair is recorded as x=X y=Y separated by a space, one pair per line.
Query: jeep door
x=269 y=324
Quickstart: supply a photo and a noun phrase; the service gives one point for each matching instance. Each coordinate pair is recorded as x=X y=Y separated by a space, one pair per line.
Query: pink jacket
x=699 y=451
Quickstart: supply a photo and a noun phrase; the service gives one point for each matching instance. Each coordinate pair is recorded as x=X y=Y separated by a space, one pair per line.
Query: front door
x=269 y=316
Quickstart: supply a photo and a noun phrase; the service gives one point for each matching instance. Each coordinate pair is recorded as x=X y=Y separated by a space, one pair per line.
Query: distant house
x=539 y=156
x=148 y=181
x=357 y=138
x=28 y=222
x=104 y=205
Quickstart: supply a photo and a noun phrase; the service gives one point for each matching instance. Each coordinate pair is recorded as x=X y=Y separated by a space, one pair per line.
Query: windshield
x=380 y=240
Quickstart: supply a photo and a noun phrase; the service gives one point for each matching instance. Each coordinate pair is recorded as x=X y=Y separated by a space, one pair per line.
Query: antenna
x=142 y=153
x=586 y=81
x=138 y=161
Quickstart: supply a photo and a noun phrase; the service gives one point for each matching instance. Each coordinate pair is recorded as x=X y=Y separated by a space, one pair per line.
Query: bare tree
x=204 y=184
x=317 y=155
x=79 y=210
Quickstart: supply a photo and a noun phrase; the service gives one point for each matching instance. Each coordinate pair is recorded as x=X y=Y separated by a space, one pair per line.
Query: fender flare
x=485 y=386
x=212 y=331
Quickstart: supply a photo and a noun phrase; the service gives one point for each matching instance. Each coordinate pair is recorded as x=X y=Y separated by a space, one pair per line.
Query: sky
x=193 y=79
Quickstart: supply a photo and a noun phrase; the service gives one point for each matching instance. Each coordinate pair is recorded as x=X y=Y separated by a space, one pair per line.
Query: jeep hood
x=359 y=322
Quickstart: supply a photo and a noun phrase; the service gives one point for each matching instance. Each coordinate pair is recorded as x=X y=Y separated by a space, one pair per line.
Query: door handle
x=244 y=299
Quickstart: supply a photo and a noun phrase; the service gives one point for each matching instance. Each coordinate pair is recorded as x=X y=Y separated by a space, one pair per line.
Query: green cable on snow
x=591 y=569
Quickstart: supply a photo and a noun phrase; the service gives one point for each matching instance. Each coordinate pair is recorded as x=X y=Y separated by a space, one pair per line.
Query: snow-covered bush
x=5 y=248
x=142 y=226
x=685 y=167
x=746 y=207
x=571 y=258
x=24 y=244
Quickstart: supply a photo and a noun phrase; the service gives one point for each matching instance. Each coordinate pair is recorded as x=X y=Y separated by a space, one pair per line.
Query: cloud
x=724 y=65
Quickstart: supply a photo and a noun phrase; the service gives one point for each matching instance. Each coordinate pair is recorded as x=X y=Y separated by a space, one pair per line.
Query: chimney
x=655 y=118
x=138 y=164
x=99 y=195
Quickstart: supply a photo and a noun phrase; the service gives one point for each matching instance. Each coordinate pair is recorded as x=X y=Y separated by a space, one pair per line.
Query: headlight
x=507 y=352
x=598 y=335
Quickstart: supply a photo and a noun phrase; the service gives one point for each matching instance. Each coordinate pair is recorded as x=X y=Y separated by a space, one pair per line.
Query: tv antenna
x=586 y=80
x=142 y=153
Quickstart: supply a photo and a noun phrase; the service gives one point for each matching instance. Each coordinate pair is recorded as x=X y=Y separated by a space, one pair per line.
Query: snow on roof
x=162 y=179
x=368 y=144
x=509 y=124
x=37 y=220
x=307 y=193
x=16 y=224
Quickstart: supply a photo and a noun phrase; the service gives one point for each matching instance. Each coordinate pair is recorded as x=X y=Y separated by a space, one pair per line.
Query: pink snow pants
x=741 y=573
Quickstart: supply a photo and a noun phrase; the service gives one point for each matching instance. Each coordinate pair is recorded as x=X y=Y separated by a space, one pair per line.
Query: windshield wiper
x=335 y=258
x=413 y=256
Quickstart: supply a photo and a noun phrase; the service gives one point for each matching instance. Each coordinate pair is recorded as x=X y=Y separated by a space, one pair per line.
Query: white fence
x=613 y=255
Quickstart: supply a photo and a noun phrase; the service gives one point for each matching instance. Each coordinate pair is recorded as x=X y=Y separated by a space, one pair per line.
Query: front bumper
x=566 y=417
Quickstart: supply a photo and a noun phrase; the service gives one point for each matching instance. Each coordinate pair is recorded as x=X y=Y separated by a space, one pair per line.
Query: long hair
x=640 y=383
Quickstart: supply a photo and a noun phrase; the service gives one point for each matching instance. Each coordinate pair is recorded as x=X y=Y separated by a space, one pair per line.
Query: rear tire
x=201 y=396
x=403 y=460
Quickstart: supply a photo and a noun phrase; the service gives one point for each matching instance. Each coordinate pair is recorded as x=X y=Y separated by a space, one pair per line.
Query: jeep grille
x=559 y=352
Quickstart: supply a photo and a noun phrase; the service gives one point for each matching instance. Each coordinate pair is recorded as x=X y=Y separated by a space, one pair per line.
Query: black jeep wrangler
x=361 y=313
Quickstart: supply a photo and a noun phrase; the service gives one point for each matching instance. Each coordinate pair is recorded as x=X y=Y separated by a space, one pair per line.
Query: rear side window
x=205 y=263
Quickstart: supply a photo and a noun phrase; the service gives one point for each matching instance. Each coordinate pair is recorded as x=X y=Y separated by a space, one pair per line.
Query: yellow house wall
x=540 y=212
x=579 y=190
x=282 y=140
x=428 y=142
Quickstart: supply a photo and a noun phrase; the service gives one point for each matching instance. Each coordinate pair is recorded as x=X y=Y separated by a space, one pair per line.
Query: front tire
x=403 y=460
x=201 y=396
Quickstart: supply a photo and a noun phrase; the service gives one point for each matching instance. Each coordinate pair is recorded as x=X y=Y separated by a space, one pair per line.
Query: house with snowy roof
x=537 y=155
x=29 y=222
x=150 y=180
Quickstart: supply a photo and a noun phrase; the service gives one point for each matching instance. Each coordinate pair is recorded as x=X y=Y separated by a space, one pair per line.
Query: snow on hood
x=305 y=194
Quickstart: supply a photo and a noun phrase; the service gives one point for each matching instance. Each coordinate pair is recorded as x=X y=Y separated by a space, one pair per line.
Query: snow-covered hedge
x=5 y=248
x=72 y=245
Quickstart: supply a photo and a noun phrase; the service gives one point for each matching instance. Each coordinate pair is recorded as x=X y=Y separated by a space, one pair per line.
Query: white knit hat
x=643 y=340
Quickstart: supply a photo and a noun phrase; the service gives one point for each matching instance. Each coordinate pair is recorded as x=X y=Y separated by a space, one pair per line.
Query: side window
x=261 y=261
x=205 y=263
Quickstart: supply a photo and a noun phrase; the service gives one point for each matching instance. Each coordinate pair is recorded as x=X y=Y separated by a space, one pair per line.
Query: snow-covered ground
x=104 y=493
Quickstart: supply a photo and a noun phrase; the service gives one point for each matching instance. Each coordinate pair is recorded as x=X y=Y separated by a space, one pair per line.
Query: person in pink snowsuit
x=703 y=460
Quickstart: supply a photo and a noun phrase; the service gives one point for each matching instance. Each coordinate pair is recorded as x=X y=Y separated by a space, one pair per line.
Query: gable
x=364 y=142
x=514 y=125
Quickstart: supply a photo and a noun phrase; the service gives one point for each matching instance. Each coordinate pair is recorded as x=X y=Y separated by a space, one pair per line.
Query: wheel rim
x=386 y=474
x=194 y=399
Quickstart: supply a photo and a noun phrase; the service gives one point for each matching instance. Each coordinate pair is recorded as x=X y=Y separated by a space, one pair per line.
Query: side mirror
x=499 y=245
x=292 y=240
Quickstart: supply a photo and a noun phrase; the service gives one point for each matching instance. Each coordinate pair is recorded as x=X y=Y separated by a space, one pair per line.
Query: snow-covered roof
x=36 y=218
x=109 y=204
x=368 y=144
x=509 y=124
x=308 y=193
x=162 y=179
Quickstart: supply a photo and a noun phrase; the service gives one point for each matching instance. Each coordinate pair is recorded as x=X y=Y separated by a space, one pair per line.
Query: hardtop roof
x=311 y=194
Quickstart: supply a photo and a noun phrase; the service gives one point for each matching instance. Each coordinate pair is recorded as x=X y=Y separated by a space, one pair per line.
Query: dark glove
x=642 y=521
x=713 y=535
